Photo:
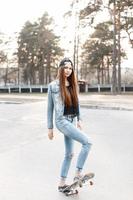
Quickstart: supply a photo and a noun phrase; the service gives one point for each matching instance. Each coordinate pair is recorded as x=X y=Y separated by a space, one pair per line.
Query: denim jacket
x=55 y=104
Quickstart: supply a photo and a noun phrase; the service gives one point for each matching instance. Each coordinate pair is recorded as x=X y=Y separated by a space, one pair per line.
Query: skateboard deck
x=73 y=188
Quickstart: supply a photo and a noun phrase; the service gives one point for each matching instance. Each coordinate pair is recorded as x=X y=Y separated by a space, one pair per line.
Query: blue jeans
x=71 y=133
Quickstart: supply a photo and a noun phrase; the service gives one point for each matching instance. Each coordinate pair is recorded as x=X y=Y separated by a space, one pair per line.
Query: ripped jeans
x=71 y=134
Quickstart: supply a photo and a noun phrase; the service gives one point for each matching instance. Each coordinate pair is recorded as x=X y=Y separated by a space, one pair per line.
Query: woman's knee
x=69 y=155
x=87 y=145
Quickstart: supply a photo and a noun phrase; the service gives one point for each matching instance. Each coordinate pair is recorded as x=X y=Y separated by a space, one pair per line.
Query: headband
x=65 y=61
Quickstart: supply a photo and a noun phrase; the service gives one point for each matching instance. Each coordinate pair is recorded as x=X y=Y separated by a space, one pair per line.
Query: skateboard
x=72 y=189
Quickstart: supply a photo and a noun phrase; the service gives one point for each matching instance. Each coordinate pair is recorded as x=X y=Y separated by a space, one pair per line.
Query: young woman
x=63 y=99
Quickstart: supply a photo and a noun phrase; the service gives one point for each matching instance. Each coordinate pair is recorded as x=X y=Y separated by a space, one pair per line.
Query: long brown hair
x=69 y=97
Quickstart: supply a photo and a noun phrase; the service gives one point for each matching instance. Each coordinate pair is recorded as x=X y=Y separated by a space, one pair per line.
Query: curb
x=106 y=107
x=10 y=102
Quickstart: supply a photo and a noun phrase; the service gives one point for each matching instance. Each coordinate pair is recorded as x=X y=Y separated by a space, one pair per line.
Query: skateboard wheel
x=91 y=183
x=76 y=191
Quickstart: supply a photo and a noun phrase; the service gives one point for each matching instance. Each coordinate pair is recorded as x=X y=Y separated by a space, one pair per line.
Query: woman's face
x=68 y=69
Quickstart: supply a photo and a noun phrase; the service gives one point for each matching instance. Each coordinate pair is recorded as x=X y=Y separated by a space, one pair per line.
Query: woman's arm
x=50 y=108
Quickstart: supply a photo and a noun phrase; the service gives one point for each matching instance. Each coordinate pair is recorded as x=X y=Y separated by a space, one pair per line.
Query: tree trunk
x=6 y=75
x=114 y=82
x=98 y=74
x=102 y=71
x=48 y=78
x=108 y=73
x=41 y=71
x=119 y=51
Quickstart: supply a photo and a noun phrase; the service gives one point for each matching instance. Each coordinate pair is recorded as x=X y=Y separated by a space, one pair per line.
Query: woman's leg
x=74 y=133
x=67 y=159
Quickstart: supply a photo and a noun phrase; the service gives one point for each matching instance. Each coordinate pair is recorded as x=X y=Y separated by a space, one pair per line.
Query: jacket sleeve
x=79 y=113
x=50 y=108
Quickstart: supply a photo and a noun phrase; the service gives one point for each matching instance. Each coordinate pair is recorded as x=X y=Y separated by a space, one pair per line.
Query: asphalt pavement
x=30 y=163
x=90 y=100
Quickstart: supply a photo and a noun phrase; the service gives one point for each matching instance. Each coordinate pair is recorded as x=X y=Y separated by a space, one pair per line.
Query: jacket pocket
x=55 y=90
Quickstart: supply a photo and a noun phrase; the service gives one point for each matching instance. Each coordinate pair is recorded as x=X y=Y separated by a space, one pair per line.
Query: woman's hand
x=79 y=125
x=50 y=134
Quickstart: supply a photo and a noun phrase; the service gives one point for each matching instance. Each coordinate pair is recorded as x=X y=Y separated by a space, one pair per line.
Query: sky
x=14 y=13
